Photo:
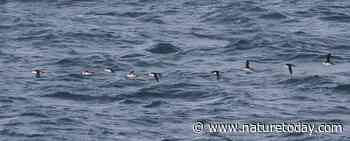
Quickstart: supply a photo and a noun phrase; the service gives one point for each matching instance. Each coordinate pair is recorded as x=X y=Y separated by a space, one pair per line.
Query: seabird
x=87 y=73
x=155 y=75
x=247 y=67
x=217 y=73
x=290 y=68
x=110 y=70
x=38 y=72
x=328 y=60
x=131 y=75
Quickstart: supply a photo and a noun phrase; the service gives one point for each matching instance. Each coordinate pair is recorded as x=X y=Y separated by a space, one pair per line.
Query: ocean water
x=184 y=40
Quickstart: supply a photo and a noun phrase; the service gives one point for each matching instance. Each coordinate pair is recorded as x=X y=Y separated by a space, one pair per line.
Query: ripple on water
x=69 y=62
x=133 y=14
x=132 y=55
x=337 y=18
x=308 y=80
x=342 y=88
x=163 y=48
x=34 y=115
x=184 y=40
x=154 y=104
x=81 y=97
x=152 y=19
x=273 y=16
x=12 y=133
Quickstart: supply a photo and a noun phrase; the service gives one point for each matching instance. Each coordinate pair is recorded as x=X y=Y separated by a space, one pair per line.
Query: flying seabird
x=38 y=72
x=155 y=75
x=131 y=75
x=110 y=70
x=290 y=68
x=217 y=73
x=328 y=61
x=247 y=67
x=87 y=73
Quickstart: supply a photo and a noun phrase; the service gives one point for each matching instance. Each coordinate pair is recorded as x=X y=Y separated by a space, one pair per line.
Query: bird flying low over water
x=39 y=72
x=217 y=73
x=247 y=67
x=290 y=68
x=328 y=61
x=155 y=75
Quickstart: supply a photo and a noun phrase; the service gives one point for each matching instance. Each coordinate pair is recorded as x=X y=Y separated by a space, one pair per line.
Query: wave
x=154 y=104
x=34 y=115
x=309 y=80
x=337 y=18
x=80 y=97
x=164 y=48
x=343 y=88
x=273 y=16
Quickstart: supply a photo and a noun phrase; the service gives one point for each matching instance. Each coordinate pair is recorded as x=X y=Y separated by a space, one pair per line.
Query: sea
x=184 y=40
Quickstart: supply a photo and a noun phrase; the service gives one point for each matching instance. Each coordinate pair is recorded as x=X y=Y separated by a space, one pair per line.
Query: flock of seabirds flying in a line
x=156 y=76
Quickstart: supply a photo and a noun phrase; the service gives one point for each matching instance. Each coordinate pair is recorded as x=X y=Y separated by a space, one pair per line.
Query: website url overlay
x=272 y=127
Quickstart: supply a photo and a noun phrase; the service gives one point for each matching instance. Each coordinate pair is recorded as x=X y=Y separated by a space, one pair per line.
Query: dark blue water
x=182 y=39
